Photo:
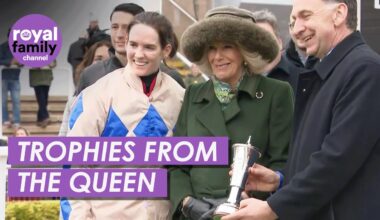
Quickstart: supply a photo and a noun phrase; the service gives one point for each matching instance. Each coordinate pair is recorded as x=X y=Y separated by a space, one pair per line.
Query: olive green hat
x=231 y=25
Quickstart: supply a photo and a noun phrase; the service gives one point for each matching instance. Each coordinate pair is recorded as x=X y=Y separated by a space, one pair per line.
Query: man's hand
x=252 y=209
x=262 y=179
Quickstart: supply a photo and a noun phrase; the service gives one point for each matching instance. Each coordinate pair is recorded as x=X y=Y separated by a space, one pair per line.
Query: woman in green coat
x=237 y=102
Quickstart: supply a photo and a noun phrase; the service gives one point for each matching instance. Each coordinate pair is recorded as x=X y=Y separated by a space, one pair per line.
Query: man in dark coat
x=296 y=55
x=78 y=48
x=121 y=16
x=332 y=171
x=280 y=68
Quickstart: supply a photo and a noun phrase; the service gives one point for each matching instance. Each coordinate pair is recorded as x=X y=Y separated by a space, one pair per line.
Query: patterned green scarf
x=224 y=92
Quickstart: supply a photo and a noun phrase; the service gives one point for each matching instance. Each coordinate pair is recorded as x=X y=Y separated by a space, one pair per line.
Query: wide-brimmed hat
x=231 y=25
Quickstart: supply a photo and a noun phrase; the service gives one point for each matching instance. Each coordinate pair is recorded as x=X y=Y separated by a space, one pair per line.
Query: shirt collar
x=334 y=57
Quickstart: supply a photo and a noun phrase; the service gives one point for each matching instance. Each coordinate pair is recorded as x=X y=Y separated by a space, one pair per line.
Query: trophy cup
x=245 y=155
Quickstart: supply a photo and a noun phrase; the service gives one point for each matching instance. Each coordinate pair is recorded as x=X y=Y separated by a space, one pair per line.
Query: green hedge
x=32 y=210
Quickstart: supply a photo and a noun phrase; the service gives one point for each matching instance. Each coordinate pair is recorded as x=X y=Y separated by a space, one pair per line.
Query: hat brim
x=243 y=32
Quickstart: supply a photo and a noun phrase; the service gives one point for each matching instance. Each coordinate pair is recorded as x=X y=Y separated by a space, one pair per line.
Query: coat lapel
x=249 y=85
x=211 y=115
x=232 y=110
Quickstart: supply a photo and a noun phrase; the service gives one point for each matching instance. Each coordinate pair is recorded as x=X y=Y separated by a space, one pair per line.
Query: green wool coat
x=262 y=109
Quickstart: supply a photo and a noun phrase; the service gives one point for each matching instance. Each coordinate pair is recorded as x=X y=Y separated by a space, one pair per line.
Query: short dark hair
x=130 y=8
x=265 y=16
x=352 y=18
x=163 y=27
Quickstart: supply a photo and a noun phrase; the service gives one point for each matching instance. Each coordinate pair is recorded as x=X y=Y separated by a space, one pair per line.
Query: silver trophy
x=245 y=155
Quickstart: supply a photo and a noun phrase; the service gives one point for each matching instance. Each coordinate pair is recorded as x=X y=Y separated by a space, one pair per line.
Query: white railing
x=184 y=59
x=178 y=54
x=182 y=10
x=189 y=63
x=3 y=179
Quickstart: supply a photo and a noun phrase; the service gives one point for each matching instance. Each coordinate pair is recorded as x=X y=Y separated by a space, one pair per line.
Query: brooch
x=259 y=95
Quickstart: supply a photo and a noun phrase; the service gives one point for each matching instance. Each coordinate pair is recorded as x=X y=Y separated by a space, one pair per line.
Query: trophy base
x=224 y=209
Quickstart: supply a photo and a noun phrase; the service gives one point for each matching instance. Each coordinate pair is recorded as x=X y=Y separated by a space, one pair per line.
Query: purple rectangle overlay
x=34 y=151
x=88 y=183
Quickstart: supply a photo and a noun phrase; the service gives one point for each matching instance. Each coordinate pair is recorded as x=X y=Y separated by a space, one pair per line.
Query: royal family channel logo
x=35 y=40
